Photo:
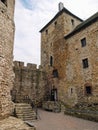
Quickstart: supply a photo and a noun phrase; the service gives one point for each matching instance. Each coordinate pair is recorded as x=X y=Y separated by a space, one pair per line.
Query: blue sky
x=32 y=15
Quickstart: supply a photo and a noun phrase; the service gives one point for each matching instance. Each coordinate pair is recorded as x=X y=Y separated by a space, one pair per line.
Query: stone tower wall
x=52 y=42
x=30 y=83
x=6 y=56
x=77 y=77
x=72 y=78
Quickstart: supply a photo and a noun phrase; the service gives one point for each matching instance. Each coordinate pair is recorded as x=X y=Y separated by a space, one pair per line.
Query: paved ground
x=59 y=121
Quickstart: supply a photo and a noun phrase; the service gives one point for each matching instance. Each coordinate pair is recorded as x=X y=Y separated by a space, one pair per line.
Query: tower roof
x=64 y=10
x=83 y=25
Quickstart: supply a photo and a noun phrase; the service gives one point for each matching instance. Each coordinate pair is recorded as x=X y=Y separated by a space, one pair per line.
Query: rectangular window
x=46 y=31
x=83 y=42
x=55 y=73
x=51 y=61
x=88 y=90
x=72 y=22
x=85 y=63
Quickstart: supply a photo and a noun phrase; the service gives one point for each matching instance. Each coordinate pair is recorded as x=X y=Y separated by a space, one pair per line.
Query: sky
x=32 y=15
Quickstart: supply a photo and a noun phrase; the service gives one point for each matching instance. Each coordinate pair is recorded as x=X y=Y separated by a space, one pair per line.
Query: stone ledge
x=88 y=115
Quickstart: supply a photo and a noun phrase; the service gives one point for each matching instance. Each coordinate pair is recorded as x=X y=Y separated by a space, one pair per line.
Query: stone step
x=25 y=112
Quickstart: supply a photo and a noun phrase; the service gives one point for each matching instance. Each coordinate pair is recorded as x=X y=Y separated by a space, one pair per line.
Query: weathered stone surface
x=6 y=56
x=66 y=56
x=12 y=123
x=29 y=85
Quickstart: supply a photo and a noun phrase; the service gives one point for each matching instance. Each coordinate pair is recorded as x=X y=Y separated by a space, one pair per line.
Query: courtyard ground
x=59 y=121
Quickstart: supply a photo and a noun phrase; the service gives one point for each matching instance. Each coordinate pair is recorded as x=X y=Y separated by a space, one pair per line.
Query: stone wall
x=30 y=83
x=6 y=56
x=66 y=56
x=77 y=77
x=54 y=49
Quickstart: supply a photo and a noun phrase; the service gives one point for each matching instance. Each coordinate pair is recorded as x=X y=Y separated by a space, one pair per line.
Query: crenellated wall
x=30 y=83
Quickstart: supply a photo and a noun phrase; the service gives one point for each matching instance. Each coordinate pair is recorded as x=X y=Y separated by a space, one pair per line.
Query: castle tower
x=52 y=36
x=53 y=47
x=7 y=29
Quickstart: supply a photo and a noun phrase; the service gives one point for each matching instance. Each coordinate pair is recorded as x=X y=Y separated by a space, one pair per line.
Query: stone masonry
x=6 y=55
x=30 y=84
x=69 y=56
x=69 y=63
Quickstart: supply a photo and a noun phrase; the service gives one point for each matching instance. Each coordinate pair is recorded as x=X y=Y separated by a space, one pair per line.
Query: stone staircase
x=25 y=112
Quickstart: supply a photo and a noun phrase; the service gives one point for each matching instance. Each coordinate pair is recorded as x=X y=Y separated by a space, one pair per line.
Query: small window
x=55 y=23
x=46 y=31
x=51 y=61
x=88 y=90
x=85 y=63
x=83 y=42
x=55 y=73
x=4 y=1
x=72 y=22
x=71 y=90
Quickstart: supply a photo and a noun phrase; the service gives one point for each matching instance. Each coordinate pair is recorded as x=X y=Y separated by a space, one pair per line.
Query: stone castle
x=69 y=63
x=69 y=56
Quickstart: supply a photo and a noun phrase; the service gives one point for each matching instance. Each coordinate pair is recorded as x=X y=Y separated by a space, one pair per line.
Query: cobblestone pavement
x=59 y=121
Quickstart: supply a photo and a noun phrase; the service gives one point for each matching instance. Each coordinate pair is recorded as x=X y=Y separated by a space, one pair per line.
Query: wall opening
x=55 y=73
x=51 y=61
x=88 y=90
x=83 y=42
x=85 y=63
x=54 y=94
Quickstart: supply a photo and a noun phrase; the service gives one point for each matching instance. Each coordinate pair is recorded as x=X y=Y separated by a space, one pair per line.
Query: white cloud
x=29 y=22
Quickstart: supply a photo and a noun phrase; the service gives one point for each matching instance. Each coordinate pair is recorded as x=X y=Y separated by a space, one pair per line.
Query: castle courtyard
x=58 y=121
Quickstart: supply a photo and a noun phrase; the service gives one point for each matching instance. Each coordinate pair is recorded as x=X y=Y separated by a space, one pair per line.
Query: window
x=55 y=73
x=4 y=1
x=54 y=96
x=55 y=23
x=85 y=63
x=51 y=61
x=83 y=42
x=88 y=90
x=71 y=90
x=46 y=31
x=72 y=22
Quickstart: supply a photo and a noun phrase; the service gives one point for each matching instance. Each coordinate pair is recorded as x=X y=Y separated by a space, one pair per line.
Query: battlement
x=20 y=64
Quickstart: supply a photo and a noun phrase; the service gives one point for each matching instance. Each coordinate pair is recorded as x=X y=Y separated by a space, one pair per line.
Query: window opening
x=88 y=90
x=85 y=63
x=46 y=31
x=72 y=22
x=55 y=73
x=51 y=61
x=83 y=42
x=54 y=94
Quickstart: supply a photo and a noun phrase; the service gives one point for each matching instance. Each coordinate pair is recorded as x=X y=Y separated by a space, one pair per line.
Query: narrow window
x=72 y=22
x=83 y=42
x=71 y=90
x=88 y=90
x=55 y=73
x=46 y=31
x=51 y=61
x=85 y=63
x=4 y=1
x=55 y=23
